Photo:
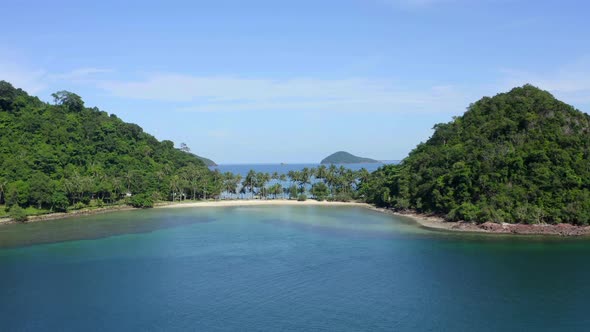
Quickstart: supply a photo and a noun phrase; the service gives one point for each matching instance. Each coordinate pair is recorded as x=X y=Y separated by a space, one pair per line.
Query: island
x=513 y=163
x=519 y=157
x=343 y=157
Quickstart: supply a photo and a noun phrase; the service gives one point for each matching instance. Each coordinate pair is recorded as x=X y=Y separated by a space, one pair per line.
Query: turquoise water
x=284 y=269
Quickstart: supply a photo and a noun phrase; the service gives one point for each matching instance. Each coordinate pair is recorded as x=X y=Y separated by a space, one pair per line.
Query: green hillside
x=521 y=156
x=57 y=155
x=342 y=157
x=207 y=162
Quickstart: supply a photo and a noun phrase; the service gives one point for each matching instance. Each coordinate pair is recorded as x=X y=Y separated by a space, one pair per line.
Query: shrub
x=79 y=205
x=59 y=202
x=302 y=198
x=343 y=197
x=18 y=214
x=141 y=201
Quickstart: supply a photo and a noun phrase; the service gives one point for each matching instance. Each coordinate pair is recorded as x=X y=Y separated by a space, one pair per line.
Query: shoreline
x=172 y=205
x=66 y=215
x=431 y=222
x=437 y=223
x=258 y=202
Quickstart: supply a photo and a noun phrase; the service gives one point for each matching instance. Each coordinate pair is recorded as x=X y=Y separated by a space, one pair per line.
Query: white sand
x=259 y=202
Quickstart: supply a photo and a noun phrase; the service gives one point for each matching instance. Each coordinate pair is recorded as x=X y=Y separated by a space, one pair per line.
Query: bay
x=284 y=268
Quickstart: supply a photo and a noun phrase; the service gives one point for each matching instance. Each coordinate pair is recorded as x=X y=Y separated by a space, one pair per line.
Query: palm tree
x=331 y=178
x=261 y=181
x=176 y=187
x=283 y=179
x=362 y=176
x=321 y=172
x=228 y=181
x=193 y=177
x=294 y=176
x=276 y=189
x=250 y=182
x=236 y=183
x=305 y=179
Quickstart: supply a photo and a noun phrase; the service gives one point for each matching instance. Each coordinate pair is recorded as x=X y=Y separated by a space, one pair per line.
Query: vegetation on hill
x=207 y=162
x=518 y=157
x=63 y=155
x=342 y=157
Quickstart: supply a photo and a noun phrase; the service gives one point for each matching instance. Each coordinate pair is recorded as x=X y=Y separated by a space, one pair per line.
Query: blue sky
x=293 y=81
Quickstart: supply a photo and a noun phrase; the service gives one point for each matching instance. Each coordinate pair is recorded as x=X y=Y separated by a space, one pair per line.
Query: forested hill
x=521 y=156
x=55 y=155
x=342 y=157
x=207 y=162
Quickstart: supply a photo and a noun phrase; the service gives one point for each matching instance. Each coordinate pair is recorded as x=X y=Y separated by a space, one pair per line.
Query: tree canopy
x=55 y=155
x=521 y=156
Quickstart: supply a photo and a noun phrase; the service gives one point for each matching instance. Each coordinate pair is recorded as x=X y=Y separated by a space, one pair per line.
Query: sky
x=294 y=81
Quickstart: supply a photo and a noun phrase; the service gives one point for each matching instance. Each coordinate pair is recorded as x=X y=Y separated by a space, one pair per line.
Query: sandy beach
x=259 y=202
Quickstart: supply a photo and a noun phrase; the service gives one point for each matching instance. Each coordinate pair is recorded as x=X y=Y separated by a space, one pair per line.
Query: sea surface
x=284 y=268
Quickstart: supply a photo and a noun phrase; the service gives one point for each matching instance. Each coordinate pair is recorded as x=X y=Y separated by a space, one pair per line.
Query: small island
x=342 y=157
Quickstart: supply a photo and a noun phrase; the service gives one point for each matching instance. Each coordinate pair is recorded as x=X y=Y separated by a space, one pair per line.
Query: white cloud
x=214 y=94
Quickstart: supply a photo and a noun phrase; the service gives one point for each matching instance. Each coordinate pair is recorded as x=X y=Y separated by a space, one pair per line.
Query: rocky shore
x=438 y=223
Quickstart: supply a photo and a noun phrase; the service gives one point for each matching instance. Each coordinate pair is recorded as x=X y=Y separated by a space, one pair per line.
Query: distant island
x=342 y=157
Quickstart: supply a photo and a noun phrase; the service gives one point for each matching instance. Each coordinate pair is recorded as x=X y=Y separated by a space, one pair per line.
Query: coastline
x=437 y=223
x=431 y=222
x=66 y=215
x=259 y=202
x=171 y=205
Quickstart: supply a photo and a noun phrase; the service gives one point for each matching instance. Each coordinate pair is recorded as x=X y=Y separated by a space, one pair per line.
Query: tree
x=40 y=189
x=320 y=191
x=3 y=183
x=59 y=202
x=195 y=178
x=7 y=95
x=261 y=181
x=293 y=192
x=250 y=182
x=18 y=193
x=275 y=190
x=70 y=100
x=184 y=148
x=518 y=157
x=82 y=153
